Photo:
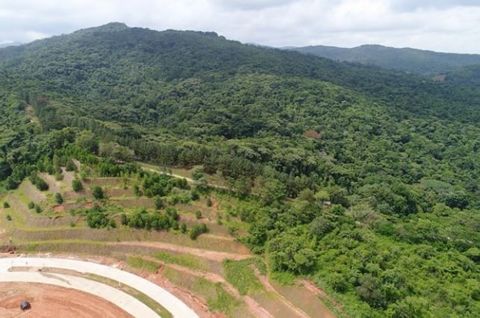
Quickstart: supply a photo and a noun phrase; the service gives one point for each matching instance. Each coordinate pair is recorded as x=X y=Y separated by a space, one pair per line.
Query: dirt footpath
x=51 y=301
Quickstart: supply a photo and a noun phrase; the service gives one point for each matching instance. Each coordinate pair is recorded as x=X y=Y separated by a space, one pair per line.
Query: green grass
x=283 y=278
x=77 y=246
x=241 y=275
x=218 y=299
x=182 y=260
x=22 y=197
x=142 y=264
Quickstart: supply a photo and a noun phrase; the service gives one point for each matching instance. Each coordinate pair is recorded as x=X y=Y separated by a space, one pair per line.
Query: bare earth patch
x=52 y=301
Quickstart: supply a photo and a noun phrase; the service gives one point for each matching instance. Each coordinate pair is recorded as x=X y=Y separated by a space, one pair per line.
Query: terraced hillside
x=214 y=273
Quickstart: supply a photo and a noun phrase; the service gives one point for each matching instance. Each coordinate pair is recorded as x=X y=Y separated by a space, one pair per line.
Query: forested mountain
x=368 y=178
x=404 y=59
x=466 y=77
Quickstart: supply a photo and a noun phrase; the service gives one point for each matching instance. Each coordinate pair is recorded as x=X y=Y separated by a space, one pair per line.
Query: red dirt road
x=51 y=301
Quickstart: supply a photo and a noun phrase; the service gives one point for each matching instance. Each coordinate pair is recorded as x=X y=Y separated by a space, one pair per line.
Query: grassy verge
x=182 y=260
x=77 y=246
x=241 y=275
x=142 y=264
x=217 y=298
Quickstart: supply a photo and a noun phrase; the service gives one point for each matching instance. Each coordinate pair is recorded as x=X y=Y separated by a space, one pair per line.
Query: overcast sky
x=442 y=25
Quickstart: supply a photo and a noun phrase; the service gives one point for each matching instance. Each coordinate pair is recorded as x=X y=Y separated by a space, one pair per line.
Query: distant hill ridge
x=402 y=59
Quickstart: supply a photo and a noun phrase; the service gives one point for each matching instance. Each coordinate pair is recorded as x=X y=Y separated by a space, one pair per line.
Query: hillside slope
x=404 y=59
x=364 y=177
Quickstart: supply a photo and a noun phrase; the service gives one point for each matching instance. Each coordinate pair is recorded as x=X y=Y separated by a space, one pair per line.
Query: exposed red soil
x=52 y=301
x=59 y=209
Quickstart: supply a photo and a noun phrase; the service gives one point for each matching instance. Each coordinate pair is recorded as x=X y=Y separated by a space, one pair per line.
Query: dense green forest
x=366 y=179
x=404 y=59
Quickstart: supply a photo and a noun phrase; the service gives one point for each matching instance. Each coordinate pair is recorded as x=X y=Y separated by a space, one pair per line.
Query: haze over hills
x=362 y=179
x=403 y=59
x=2 y=45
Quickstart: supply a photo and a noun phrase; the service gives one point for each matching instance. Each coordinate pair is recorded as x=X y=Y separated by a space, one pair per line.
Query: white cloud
x=444 y=25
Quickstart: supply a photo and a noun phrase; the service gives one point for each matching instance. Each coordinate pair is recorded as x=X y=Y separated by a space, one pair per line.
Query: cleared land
x=52 y=301
x=195 y=271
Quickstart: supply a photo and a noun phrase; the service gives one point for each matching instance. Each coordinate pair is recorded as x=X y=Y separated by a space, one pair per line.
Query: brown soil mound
x=52 y=301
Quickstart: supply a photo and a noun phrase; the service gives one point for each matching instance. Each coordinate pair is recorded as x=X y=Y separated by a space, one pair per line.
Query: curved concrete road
x=174 y=305
x=120 y=299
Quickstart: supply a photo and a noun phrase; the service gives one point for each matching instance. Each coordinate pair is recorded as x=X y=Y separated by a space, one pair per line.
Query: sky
x=440 y=25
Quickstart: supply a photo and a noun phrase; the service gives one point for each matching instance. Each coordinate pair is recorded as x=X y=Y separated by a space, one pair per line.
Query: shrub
x=6 y=205
x=143 y=220
x=97 y=218
x=183 y=228
x=11 y=183
x=124 y=219
x=77 y=185
x=42 y=185
x=58 y=176
x=159 y=204
x=31 y=205
x=198 y=214
x=175 y=225
x=197 y=174
x=38 y=209
x=198 y=230
x=195 y=196
x=98 y=193
x=137 y=191
x=172 y=214
x=71 y=166
x=38 y=182
x=58 y=198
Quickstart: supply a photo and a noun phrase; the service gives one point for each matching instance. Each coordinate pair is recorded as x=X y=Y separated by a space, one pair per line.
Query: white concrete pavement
x=174 y=305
